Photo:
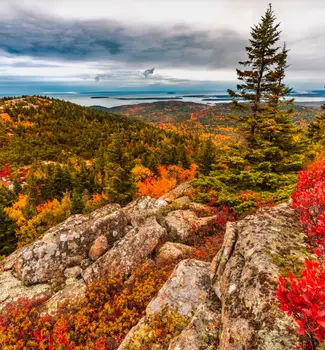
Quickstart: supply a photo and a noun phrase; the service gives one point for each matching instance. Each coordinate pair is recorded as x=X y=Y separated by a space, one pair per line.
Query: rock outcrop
x=235 y=307
x=245 y=274
x=187 y=288
x=230 y=303
x=110 y=241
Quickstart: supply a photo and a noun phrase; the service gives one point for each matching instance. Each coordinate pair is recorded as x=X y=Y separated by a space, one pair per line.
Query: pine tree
x=119 y=183
x=316 y=129
x=206 y=156
x=262 y=76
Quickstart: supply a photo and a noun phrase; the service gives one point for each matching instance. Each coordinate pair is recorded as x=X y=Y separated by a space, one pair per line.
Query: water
x=113 y=99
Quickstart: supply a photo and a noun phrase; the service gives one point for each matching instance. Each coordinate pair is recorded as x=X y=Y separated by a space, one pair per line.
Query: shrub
x=98 y=321
x=169 y=177
x=304 y=299
x=309 y=200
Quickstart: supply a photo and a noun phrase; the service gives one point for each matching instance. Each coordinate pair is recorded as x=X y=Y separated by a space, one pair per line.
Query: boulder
x=12 y=289
x=127 y=253
x=145 y=206
x=203 y=330
x=99 y=247
x=186 y=289
x=67 y=245
x=183 y=225
x=245 y=274
x=184 y=189
x=171 y=251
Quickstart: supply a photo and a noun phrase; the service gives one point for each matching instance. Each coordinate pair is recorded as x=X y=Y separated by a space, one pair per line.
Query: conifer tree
x=316 y=129
x=261 y=79
x=206 y=156
x=266 y=117
x=119 y=183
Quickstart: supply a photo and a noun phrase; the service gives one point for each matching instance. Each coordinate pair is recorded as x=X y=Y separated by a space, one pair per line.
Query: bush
x=304 y=297
x=98 y=321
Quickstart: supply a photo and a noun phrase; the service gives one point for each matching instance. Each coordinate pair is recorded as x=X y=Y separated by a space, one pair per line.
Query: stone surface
x=202 y=332
x=130 y=251
x=172 y=251
x=245 y=274
x=99 y=247
x=235 y=308
x=184 y=189
x=184 y=224
x=186 y=289
x=110 y=240
x=72 y=291
x=67 y=244
x=12 y=289
x=231 y=302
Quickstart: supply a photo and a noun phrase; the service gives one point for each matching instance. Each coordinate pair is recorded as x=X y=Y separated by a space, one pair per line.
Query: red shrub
x=5 y=171
x=309 y=200
x=304 y=299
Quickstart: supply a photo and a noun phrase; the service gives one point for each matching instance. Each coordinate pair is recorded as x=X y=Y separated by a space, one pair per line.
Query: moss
x=288 y=264
x=158 y=330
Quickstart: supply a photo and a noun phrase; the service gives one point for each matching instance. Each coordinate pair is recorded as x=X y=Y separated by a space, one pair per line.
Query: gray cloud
x=148 y=72
x=179 y=46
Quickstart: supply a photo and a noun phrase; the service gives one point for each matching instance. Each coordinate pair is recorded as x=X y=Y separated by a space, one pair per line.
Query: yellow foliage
x=140 y=172
x=49 y=214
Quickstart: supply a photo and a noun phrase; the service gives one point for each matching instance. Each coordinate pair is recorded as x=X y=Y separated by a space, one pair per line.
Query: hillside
x=58 y=159
x=195 y=116
x=42 y=129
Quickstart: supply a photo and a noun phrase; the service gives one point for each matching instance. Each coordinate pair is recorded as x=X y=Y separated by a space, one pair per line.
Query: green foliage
x=262 y=168
x=206 y=156
x=316 y=129
x=8 y=240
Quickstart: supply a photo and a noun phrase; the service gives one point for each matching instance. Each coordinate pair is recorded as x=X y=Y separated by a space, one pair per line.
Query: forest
x=59 y=159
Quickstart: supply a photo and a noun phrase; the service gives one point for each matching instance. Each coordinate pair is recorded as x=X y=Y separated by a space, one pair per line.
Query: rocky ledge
x=233 y=306
x=230 y=303
x=111 y=240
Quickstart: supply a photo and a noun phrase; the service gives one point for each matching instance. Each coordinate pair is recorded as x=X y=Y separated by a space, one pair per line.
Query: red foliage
x=309 y=200
x=5 y=171
x=223 y=215
x=304 y=298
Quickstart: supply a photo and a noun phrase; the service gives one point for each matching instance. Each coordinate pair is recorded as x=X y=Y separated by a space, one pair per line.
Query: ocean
x=113 y=99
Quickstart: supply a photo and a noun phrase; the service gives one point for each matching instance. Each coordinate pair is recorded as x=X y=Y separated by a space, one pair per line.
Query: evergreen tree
x=77 y=204
x=263 y=165
x=8 y=240
x=119 y=184
x=316 y=129
x=261 y=78
x=267 y=118
x=206 y=156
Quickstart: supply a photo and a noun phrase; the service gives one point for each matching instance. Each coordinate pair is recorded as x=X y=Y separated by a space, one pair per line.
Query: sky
x=149 y=44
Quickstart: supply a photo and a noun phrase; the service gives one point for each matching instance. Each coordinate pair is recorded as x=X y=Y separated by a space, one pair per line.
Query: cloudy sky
x=149 y=44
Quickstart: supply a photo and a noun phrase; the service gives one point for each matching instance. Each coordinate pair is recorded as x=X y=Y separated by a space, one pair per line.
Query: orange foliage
x=169 y=177
x=97 y=201
x=6 y=117
x=98 y=321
